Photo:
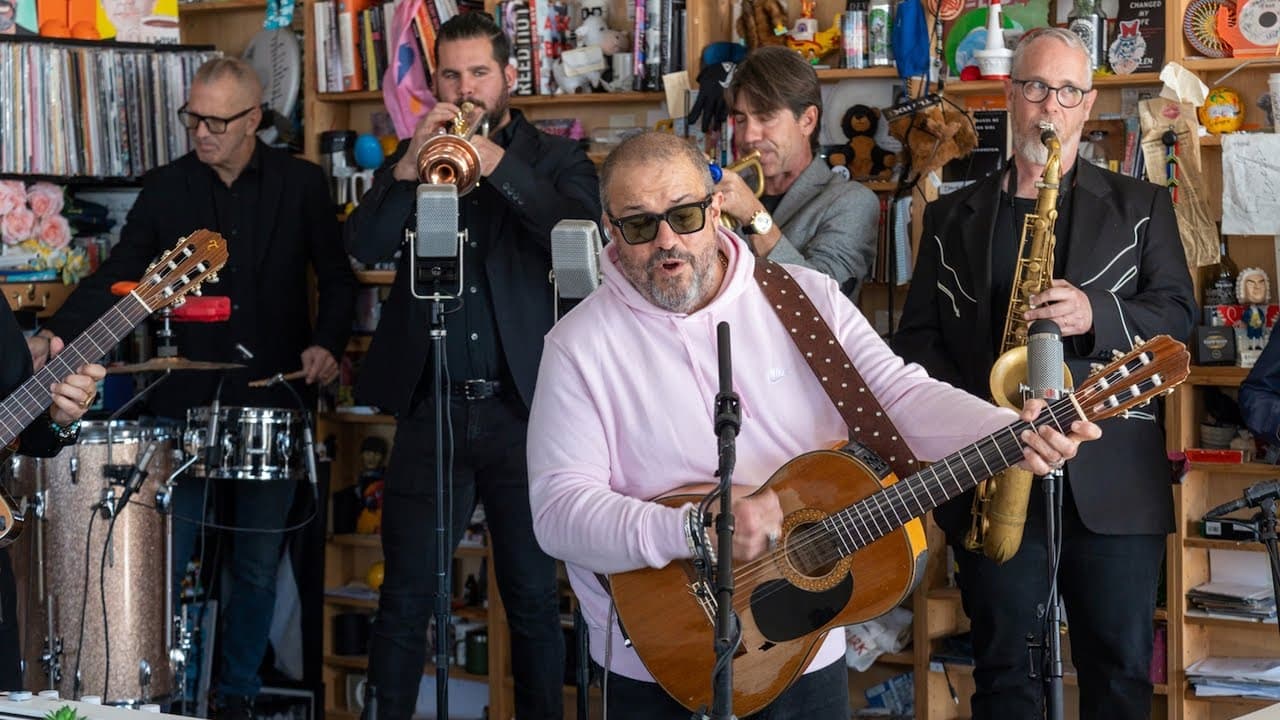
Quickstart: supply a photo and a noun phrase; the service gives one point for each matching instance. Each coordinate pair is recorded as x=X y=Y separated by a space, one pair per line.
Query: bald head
x=653 y=147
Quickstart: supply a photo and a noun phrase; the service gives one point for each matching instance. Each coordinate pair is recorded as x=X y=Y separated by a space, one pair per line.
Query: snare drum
x=131 y=571
x=252 y=443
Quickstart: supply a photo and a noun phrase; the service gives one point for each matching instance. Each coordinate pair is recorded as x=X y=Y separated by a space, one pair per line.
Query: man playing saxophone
x=1119 y=272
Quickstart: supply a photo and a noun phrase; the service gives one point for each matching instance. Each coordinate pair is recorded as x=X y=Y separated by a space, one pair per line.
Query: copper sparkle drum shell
x=50 y=565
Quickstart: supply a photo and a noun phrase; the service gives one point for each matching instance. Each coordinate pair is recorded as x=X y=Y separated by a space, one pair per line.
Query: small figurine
x=1253 y=291
x=373 y=454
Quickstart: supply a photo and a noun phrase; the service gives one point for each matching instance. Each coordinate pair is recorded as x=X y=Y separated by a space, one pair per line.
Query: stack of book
x=1234 y=599
x=1241 y=676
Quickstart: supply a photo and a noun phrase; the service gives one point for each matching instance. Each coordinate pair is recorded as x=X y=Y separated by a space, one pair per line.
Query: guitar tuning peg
x=1137 y=340
x=180 y=301
x=1095 y=368
x=1116 y=354
x=212 y=277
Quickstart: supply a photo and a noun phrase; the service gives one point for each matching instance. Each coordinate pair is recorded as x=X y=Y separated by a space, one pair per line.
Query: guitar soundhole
x=812 y=551
x=785 y=612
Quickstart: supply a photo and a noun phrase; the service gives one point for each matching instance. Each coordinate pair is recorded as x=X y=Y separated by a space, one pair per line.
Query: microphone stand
x=444 y=545
x=1266 y=519
x=728 y=422
x=1051 y=643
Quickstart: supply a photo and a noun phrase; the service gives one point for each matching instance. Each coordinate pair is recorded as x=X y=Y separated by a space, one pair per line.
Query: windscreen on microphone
x=575 y=257
x=437 y=221
x=1045 y=376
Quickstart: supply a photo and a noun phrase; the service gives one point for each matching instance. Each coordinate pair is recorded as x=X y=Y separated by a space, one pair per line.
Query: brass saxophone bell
x=752 y=172
x=449 y=158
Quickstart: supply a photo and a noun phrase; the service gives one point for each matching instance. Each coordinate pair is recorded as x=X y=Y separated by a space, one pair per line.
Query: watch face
x=762 y=222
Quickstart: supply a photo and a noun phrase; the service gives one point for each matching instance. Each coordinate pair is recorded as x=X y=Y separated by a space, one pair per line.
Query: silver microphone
x=436 y=245
x=575 y=258
x=1045 y=377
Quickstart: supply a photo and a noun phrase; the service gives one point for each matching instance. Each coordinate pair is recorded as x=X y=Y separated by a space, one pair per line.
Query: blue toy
x=368 y=151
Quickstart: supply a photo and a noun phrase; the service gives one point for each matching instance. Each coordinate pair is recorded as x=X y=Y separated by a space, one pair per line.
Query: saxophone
x=1000 y=504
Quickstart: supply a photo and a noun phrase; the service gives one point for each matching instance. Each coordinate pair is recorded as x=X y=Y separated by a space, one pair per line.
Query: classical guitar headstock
x=180 y=271
x=1152 y=368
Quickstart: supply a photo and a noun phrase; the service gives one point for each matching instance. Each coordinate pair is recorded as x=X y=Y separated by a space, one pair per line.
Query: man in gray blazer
x=808 y=215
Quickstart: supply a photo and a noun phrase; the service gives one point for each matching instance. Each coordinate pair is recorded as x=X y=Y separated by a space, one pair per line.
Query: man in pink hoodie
x=625 y=401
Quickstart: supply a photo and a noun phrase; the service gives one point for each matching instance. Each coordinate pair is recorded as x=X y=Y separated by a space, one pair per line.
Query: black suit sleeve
x=541 y=196
x=375 y=228
x=139 y=244
x=1164 y=303
x=919 y=336
x=335 y=281
x=1260 y=395
x=15 y=367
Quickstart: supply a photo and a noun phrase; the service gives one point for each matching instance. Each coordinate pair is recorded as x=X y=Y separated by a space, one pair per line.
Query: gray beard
x=670 y=297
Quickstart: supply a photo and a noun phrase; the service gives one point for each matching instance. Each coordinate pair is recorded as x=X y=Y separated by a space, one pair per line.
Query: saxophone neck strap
x=867 y=421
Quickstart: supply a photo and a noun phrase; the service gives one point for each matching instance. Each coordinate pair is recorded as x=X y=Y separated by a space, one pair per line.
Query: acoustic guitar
x=852 y=546
x=180 y=271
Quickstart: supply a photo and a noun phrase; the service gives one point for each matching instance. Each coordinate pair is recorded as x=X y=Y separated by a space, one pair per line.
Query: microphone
x=211 y=430
x=575 y=258
x=437 y=248
x=309 y=456
x=1252 y=497
x=137 y=474
x=1044 y=360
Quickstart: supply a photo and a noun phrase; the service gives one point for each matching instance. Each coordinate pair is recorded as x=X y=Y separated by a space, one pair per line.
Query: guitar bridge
x=701 y=591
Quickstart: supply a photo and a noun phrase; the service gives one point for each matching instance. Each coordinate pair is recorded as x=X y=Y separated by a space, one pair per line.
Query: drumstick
x=268 y=381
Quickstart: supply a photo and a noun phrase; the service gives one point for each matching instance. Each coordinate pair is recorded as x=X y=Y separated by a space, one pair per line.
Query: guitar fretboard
x=869 y=519
x=33 y=396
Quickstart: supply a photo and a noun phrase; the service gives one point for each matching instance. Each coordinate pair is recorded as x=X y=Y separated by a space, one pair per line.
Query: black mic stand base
x=1266 y=519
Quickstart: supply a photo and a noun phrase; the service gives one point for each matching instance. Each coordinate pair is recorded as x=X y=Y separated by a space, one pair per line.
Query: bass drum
x=122 y=653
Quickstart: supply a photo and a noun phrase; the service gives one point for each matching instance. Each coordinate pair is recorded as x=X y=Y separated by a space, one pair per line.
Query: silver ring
x=772 y=539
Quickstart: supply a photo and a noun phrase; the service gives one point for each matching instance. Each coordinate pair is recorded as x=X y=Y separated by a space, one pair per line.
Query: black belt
x=476 y=389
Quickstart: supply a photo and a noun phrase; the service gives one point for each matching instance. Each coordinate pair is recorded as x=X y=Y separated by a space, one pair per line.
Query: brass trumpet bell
x=748 y=167
x=449 y=158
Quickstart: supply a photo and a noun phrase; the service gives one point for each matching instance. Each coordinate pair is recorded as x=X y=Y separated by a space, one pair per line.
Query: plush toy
x=933 y=136
x=861 y=155
x=593 y=31
x=762 y=22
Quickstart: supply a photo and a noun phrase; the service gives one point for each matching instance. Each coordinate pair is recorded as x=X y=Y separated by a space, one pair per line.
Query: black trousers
x=1108 y=584
x=488 y=464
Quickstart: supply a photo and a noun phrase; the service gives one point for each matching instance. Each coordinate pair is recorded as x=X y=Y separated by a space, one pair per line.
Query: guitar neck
x=33 y=396
x=869 y=519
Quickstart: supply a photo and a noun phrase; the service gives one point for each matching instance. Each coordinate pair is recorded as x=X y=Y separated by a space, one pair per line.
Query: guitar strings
x=1006 y=442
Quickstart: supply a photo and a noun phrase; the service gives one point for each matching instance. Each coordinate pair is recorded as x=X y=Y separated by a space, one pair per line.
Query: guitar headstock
x=1153 y=368
x=182 y=269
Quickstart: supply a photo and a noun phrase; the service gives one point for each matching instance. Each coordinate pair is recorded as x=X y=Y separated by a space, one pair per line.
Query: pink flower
x=17 y=225
x=45 y=199
x=54 y=232
x=13 y=194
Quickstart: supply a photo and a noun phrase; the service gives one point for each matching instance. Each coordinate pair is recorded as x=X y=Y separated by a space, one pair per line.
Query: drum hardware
x=51 y=659
x=74 y=465
x=277 y=379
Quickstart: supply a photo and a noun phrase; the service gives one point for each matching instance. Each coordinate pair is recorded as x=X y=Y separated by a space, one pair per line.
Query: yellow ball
x=374 y=577
x=1222 y=112
x=389 y=143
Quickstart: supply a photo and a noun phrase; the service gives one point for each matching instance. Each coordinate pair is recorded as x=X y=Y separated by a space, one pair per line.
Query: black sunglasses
x=643 y=227
x=216 y=125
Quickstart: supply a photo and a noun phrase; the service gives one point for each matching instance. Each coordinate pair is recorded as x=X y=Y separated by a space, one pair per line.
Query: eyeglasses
x=643 y=227
x=1069 y=96
x=216 y=125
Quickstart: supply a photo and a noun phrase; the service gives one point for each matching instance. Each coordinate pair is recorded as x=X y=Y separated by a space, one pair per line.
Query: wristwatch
x=759 y=224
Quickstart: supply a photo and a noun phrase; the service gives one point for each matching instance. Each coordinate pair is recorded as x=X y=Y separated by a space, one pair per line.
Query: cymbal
x=173 y=363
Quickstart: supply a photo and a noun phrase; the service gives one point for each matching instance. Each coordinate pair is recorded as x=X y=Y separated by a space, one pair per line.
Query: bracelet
x=697 y=537
x=65 y=434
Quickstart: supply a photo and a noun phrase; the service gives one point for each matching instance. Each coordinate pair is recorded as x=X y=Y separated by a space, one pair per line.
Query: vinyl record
x=1259 y=22
x=1200 y=26
x=276 y=55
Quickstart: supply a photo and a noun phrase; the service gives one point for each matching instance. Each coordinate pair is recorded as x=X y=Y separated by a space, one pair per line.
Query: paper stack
x=1242 y=676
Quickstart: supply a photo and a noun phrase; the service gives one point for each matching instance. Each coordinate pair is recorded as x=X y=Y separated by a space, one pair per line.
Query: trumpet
x=752 y=172
x=448 y=157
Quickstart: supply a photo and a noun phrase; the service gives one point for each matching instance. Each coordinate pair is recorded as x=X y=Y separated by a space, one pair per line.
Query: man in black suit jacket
x=1120 y=272
x=277 y=217
x=530 y=182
